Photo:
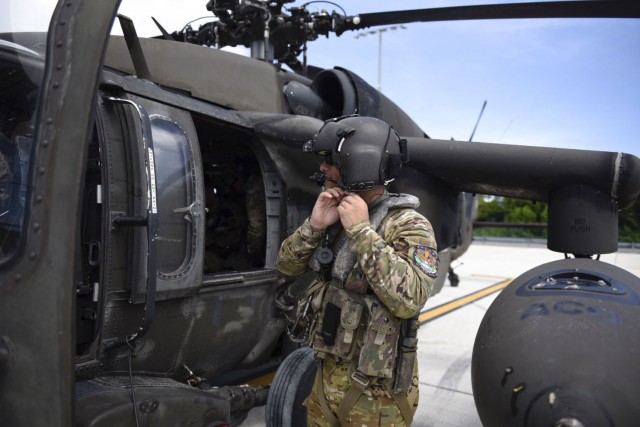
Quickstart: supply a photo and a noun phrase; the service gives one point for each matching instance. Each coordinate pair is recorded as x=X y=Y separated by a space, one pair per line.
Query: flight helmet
x=367 y=151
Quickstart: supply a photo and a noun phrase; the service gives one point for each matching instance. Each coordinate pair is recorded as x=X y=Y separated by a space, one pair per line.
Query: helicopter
x=132 y=288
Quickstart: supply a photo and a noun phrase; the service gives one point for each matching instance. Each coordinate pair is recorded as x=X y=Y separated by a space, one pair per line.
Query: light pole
x=380 y=31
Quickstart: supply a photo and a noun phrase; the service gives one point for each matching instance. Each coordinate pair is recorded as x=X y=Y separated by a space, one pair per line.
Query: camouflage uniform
x=391 y=280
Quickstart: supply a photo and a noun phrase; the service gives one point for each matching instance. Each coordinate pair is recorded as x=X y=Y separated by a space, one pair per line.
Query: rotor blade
x=553 y=9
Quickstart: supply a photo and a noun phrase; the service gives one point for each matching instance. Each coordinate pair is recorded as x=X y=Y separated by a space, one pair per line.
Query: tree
x=491 y=209
x=508 y=210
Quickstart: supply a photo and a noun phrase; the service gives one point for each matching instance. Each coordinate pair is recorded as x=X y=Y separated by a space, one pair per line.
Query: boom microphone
x=321 y=178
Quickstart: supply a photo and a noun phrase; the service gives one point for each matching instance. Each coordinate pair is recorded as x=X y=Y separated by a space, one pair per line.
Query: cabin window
x=236 y=219
x=176 y=194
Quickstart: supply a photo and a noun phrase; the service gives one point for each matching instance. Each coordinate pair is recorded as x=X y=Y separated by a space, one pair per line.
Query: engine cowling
x=560 y=346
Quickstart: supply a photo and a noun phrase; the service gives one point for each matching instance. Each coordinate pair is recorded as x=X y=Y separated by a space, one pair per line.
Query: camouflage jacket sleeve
x=297 y=248
x=393 y=261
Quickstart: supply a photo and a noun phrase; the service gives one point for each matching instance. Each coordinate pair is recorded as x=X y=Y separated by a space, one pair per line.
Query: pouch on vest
x=347 y=319
x=378 y=353
x=330 y=321
x=356 y=282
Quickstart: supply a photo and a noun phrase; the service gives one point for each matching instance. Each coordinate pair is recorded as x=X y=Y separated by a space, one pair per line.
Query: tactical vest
x=349 y=313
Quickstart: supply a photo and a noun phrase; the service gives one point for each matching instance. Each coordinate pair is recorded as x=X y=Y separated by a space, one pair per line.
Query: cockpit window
x=22 y=48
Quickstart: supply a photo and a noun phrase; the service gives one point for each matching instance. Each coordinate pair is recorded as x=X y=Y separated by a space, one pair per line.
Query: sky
x=570 y=83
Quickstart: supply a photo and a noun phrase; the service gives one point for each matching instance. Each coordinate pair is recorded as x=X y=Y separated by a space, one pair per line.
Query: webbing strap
x=359 y=382
x=326 y=411
x=403 y=403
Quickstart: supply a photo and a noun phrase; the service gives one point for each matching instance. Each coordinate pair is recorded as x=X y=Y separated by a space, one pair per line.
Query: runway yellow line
x=448 y=307
x=489 y=276
x=264 y=380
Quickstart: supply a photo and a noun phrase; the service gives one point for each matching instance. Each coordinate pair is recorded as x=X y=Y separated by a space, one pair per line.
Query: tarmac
x=450 y=320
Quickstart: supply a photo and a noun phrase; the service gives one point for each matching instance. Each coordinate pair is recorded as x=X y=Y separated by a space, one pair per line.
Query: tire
x=290 y=387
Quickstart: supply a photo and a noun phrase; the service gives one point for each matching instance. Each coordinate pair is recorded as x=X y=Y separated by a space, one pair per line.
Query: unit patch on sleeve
x=427 y=260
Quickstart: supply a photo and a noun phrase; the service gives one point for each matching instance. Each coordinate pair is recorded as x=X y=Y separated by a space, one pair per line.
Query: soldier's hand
x=325 y=211
x=352 y=209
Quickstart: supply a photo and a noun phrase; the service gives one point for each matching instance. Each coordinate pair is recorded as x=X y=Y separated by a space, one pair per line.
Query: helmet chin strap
x=320 y=178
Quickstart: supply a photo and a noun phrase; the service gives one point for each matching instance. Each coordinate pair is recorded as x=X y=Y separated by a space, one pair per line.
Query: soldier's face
x=330 y=171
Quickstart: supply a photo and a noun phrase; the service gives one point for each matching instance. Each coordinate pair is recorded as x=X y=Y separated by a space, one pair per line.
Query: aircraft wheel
x=290 y=387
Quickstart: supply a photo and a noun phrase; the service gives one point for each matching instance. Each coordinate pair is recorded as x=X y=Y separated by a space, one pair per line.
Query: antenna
x=478 y=121
x=135 y=50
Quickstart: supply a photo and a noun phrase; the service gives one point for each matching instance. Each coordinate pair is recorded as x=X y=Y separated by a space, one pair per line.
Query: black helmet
x=367 y=151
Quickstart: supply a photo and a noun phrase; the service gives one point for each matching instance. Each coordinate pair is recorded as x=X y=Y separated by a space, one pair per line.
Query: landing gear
x=454 y=280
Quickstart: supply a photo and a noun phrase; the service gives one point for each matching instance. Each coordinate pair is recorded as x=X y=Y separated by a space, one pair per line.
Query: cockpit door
x=37 y=280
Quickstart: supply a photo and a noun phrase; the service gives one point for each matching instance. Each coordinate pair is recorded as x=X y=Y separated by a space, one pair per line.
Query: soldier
x=376 y=260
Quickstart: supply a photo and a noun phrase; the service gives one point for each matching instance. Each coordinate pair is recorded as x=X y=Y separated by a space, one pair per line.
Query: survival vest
x=348 y=313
